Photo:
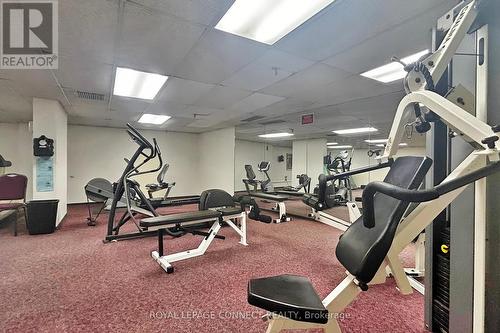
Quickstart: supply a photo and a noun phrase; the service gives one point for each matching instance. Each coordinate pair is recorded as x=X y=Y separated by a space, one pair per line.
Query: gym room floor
x=71 y=281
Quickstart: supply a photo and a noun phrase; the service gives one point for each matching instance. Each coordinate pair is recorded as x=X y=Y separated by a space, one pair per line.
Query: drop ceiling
x=218 y=79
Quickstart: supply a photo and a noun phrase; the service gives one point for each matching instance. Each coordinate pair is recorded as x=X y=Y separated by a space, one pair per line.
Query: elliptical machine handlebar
x=141 y=141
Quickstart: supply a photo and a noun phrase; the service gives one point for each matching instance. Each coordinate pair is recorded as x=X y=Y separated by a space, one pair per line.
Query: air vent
x=273 y=122
x=254 y=118
x=90 y=96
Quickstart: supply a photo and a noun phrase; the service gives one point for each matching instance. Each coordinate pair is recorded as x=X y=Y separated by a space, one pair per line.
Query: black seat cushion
x=179 y=218
x=265 y=196
x=227 y=211
x=290 y=193
x=362 y=250
x=289 y=296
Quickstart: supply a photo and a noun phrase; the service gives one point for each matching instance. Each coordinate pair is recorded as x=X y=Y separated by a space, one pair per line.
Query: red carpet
x=70 y=281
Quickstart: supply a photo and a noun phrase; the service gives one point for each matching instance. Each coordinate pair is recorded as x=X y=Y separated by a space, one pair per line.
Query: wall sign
x=44 y=174
x=308 y=119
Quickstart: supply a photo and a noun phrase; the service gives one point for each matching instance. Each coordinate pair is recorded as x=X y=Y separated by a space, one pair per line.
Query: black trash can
x=42 y=216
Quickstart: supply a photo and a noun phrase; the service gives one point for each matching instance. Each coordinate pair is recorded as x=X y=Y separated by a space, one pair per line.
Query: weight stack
x=441 y=301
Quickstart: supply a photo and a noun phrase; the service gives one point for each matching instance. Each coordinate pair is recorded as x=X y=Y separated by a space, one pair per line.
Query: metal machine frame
x=474 y=130
x=165 y=261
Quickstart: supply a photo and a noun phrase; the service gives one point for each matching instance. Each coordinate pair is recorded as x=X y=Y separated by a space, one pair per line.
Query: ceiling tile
x=153 y=42
x=255 y=77
x=284 y=61
x=251 y=103
x=217 y=56
x=378 y=50
x=258 y=101
x=286 y=106
x=12 y=101
x=184 y=91
x=123 y=104
x=166 y=108
x=325 y=35
x=84 y=76
x=221 y=97
x=196 y=11
x=87 y=29
x=201 y=112
x=315 y=76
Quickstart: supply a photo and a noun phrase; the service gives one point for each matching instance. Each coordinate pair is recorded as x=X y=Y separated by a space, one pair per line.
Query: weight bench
x=187 y=222
x=280 y=206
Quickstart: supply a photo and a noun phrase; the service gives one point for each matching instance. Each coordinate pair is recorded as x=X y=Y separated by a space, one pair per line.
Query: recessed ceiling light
x=401 y=145
x=268 y=21
x=332 y=143
x=153 y=119
x=136 y=84
x=275 y=135
x=393 y=71
x=377 y=141
x=356 y=130
x=340 y=147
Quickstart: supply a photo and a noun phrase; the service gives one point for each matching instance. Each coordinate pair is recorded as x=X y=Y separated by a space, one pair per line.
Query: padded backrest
x=215 y=198
x=13 y=186
x=161 y=176
x=250 y=173
x=362 y=250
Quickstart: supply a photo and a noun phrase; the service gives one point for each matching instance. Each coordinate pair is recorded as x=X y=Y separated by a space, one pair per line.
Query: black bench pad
x=290 y=193
x=266 y=196
x=230 y=211
x=179 y=218
x=290 y=296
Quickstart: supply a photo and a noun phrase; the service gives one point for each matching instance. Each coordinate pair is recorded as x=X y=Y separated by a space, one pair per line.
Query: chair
x=13 y=187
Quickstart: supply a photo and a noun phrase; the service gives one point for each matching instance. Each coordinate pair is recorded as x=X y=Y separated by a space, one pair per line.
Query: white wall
x=248 y=152
x=308 y=158
x=50 y=119
x=16 y=146
x=98 y=152
x=216 y=162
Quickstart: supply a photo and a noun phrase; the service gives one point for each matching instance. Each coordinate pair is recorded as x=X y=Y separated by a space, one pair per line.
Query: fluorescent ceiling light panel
x=332 y=143
x=393 y=71
x=340 y=147
x=268 y=21
x=377 y=141
x=401 y=145
x=356 y=130
x=275 y=135
x=136 y=84
x=153 y=119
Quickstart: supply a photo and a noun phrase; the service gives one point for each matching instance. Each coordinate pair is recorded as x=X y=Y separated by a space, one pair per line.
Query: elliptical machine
x=128 y=188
